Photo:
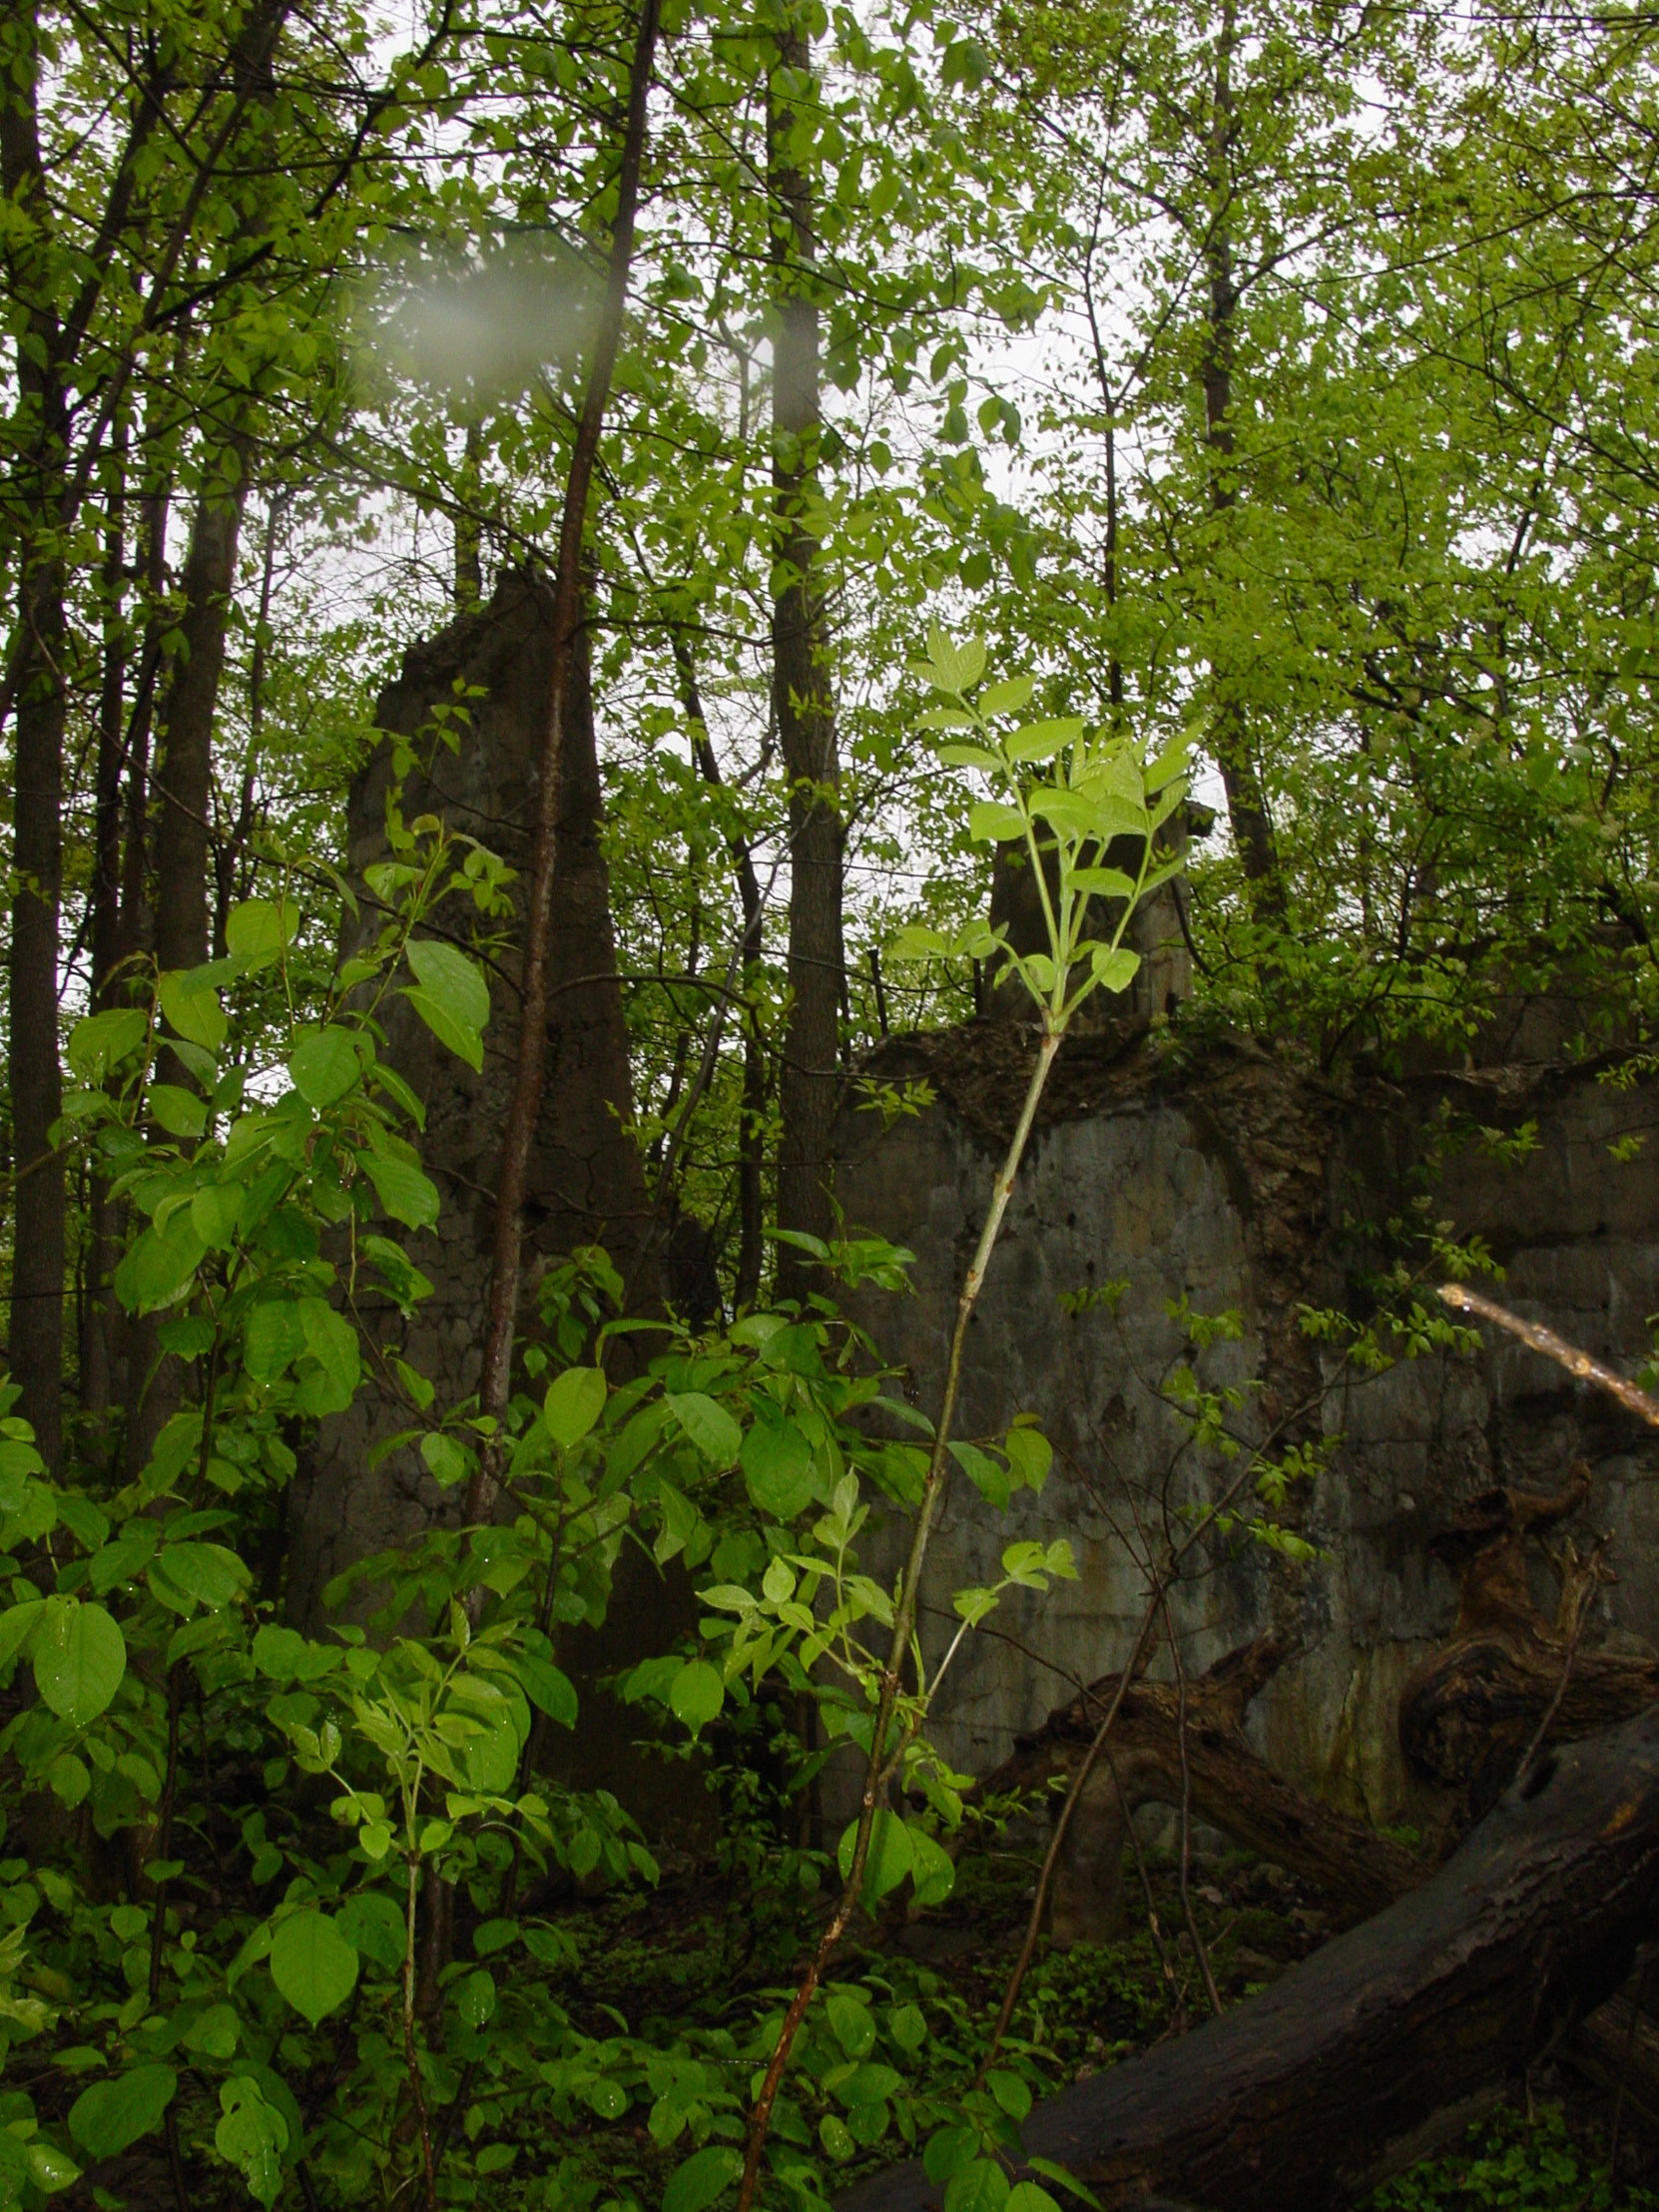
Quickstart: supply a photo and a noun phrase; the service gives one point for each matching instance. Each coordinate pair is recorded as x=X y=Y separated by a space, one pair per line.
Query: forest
x=832 y=849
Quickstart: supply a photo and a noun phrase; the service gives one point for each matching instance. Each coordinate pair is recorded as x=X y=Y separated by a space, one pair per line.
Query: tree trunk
x=1247 y=809
x=1307 y=2094
x=184 y=785
x=469 y=535
x=1231 y=1788
x=802 y=700
x=752 y=1104
x=97 y=1350
x=1470 y=1712
x=35 y=1335
x=184 y=765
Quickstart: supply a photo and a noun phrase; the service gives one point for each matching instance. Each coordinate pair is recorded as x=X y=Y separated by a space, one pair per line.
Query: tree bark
x=184 y=768
x=1230 y=1786
x=1247 y=808
x=530 y=1076
x=99 y=1312
x=183 y=785
x=1472 y=1711
x=752 y=1102
x=35 y=1333
x=802 y=700
x=1305 y=2096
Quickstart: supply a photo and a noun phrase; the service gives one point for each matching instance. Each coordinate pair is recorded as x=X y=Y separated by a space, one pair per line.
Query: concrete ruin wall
x=1214 y=1174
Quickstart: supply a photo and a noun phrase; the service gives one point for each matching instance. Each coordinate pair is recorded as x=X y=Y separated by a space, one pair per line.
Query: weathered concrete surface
x=1213 y=1174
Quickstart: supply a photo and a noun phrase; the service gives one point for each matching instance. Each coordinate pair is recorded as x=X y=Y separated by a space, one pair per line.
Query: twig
x=1157 y=1932
x=1187 y=1912
x=1544 y=1340
x=905 y=1613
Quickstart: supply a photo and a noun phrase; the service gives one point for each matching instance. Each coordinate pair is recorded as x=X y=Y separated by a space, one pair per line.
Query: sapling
x=1067 y=796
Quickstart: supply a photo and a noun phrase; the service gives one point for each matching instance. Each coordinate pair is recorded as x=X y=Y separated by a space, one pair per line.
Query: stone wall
x=1216 y=1175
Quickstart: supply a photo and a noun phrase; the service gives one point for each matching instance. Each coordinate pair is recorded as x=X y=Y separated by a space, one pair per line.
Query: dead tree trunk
x=1231 y=1788
x=1304 y=2096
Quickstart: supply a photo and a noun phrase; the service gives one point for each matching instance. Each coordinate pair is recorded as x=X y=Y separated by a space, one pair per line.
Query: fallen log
x=1293 y=2100
x=1230 y=1786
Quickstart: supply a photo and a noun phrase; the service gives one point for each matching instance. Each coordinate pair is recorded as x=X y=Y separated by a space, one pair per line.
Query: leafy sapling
x=1068 y=795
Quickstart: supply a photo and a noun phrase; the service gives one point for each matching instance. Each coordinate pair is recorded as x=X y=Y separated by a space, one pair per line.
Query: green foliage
x=1511 y=2161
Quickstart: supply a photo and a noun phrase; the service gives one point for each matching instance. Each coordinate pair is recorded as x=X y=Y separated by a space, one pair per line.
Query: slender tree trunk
x=753 y=1103
x=184 y=789
x=136 y=924
x=184 y=765
x=99 y=1317
x=469 y=536
x=35 y=1336
x=530 y=1076
x=802 y=699
x=1247 y=809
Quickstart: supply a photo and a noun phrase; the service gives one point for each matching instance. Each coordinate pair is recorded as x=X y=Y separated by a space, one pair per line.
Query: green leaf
x=1051 y=2171
x=50 y=2169
x=546 y=1688
x=160 y=1267
x=1011 y=2091
x=258 y=931
x=850 y=2020
x=112 y=2116
x=405 y=1192
x=1103 y=883
x=948 y=2150
x=1030 y=1455
x=888 y=1858
x=574 y=1402
x=972 y=755
x=871 y=2084
x=181 y=1576
x=179 y=1112
x=704 y=2177
x=80 y=1657
x=1114 y=970
x=275 y=1336
x=332 y=1343
x=1030 y=2196
x=1040 y=741
x=932 y=1869
x=191 y=1005
x=466 y=1044
x=954 y=667
x=324 y=1065
x=914 y=942
x=980 y=2186
x=452 y=997
x=992 y=822
x=215 y=1212
x=446 y=1458
x=777 y=1467
x=697 y=1694
x=251 y=2135
x=312 y=1964
x=100 y=1043
x=215 y=2033
x=1006 y=698
x=708 y=1426
x=375 y=1925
